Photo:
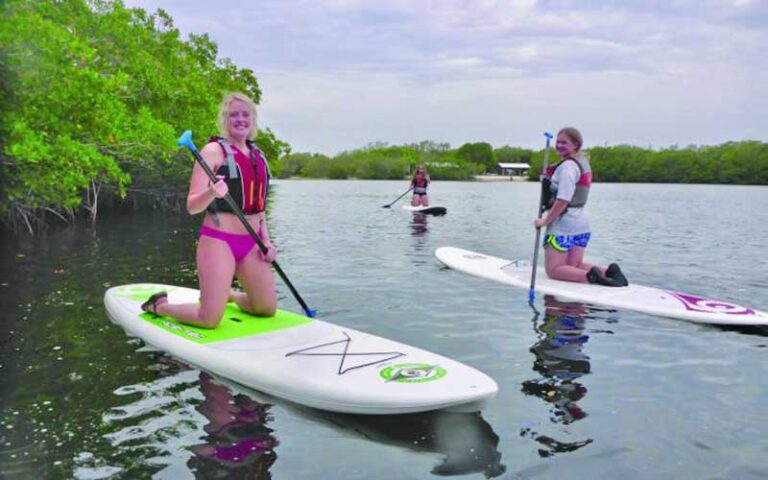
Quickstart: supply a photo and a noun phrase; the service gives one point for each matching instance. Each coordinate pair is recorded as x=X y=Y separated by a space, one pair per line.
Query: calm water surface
x=583 y=392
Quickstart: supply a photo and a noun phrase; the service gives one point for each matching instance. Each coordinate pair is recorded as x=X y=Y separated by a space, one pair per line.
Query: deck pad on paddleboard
x=304 y=360
x=431 y=210
x=235 y=323
x=650 y=300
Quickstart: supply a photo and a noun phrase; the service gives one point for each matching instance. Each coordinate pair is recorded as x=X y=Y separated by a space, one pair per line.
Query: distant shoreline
x=500 y=178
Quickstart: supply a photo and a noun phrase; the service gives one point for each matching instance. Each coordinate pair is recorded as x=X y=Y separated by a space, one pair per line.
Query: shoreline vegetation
x=734 y=163
x=93 y=96
x=737 y=163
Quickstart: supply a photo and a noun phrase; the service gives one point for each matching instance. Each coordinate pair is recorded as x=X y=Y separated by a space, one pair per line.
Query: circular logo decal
x=412 y=373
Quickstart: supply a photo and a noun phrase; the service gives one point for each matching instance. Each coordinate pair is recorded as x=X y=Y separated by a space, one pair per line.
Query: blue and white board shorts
x=564 y=243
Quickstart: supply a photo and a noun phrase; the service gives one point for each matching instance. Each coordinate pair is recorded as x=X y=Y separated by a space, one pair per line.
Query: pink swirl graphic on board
x=707 y=305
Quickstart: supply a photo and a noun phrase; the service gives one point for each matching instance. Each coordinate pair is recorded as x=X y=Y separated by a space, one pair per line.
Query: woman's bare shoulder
x=211 y=147
x=212 y=152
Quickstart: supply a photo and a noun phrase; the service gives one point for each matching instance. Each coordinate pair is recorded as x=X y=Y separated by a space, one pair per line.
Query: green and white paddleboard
x=304 y=360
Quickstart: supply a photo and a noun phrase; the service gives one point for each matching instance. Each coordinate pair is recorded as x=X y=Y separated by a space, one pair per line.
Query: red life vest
x=247 y=177
x=420 y=182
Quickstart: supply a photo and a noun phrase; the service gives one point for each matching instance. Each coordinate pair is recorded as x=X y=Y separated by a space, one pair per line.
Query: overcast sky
x=339 y=74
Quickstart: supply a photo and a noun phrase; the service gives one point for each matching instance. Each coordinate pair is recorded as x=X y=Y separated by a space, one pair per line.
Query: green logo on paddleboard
x=412 y=373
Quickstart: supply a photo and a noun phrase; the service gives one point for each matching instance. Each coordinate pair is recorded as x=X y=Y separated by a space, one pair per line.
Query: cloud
x=338 y=74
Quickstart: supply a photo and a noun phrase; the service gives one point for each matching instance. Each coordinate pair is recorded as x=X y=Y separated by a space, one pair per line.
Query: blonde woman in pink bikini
x=225 y=250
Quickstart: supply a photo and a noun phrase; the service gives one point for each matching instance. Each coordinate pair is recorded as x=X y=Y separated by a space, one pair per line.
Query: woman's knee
x=264 y=307
x=266 y=311
x=551 y=270
x=210 y=318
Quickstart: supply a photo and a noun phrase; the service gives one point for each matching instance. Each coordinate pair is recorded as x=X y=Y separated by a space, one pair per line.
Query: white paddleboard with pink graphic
x=653 y=301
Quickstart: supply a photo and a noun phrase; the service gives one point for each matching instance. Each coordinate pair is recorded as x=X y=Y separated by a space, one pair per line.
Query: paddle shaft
x=531 y=292
x=237 y=211
x=398 y=198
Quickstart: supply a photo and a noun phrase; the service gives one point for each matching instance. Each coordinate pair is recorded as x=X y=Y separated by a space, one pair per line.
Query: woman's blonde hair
x=573 y=135
x=224 y=113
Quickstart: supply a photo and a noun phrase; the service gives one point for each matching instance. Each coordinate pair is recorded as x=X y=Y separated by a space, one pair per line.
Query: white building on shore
x=513 y=169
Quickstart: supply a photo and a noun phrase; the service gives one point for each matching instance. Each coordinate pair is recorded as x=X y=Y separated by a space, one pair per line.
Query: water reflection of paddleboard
x=430 y=210
x=306 y=361
x=650 y=300
x=466 y=440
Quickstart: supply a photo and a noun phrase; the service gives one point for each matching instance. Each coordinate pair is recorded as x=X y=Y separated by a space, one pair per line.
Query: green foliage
x=274 y=149
x=452 y=171
x=94 y=94
x=294 y=163
x=480 y=153
x=380 y=161
x=744 y=163
x=734 y=163
x=374 y=162
x=507 y=154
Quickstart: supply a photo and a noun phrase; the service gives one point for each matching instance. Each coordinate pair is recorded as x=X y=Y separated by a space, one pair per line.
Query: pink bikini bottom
x=240 y=245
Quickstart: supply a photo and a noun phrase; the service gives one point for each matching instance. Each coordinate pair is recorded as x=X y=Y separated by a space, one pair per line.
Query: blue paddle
x=185 y=140
x=532 y=292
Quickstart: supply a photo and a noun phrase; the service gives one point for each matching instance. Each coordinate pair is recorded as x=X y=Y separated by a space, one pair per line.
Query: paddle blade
x=185 y=140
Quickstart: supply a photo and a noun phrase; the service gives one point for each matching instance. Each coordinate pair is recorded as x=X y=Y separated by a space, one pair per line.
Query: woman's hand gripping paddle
x=185 y=140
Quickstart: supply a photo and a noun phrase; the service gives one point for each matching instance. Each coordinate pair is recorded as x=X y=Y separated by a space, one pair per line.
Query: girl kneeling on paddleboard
x=565 y=190
x=419 y=183
x=225 y=249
